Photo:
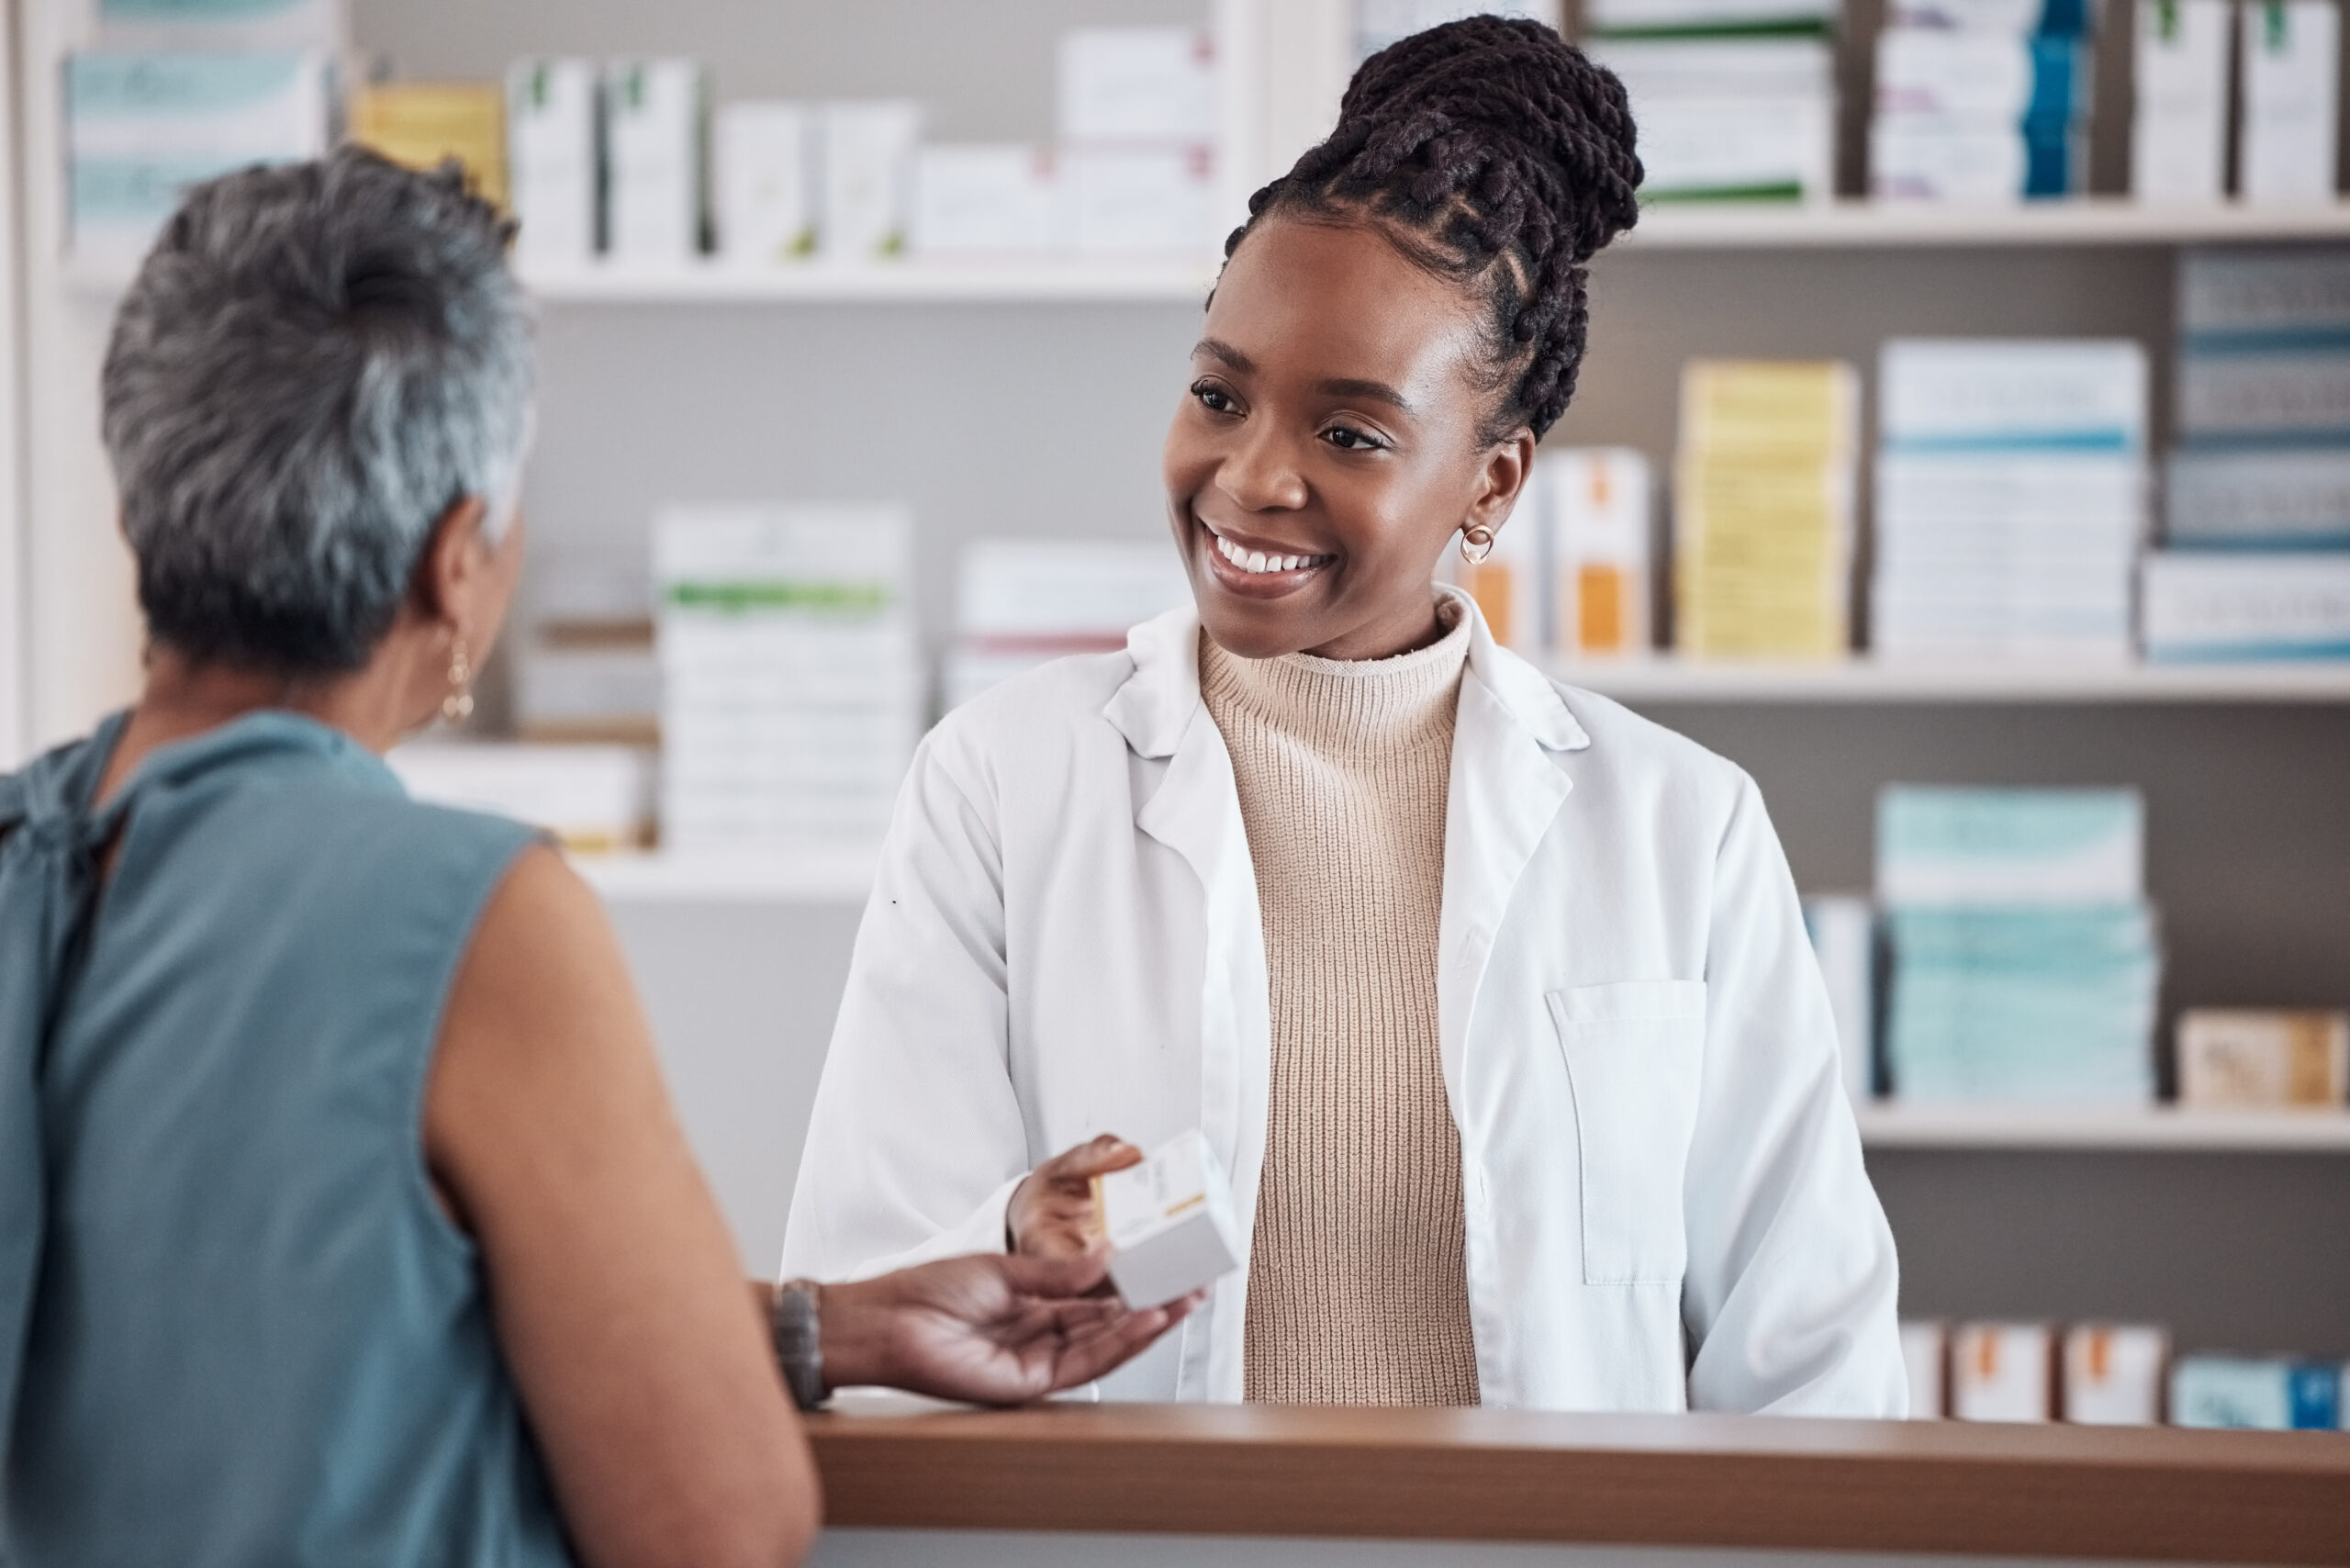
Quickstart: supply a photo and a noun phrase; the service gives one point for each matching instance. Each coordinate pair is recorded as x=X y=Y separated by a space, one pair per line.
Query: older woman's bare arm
x=643 y=1363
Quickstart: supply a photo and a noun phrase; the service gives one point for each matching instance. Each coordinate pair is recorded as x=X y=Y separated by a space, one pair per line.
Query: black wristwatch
x=799 y=1342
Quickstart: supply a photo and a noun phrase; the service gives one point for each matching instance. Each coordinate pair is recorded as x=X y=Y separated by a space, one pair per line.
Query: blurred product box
x=2268 y=1393
x=2287 y=499
x=1925 y=1359
x=2025 y=964
x=1022 y=602
x=2179 y=130
x=1511 y=585
x=1598 y=504
x=2003 y=1372
x=1131 y=200
x=1608 y=18
x=577 y=682
x=864 y=197
x=1137 y=85
x=2201 y=607
x=791 y=683
x=2268 y=294
x=2290 y=90
x=594 y=798
x=763 y=178
x=1963 y=847
x=1170 y=1223
x=261 y=25
x=654 y=140
x=2055 y=19
x=2245 y=1058
x=2245 y=391
x=553 y=164
x=987 y=200
x=1379 y=23
x=1995 y=79
x=1923 y=158
x=2011 y=499
x=1730 y=117
x=2113 y=1374
x=1842 y=927
x=1762 y=508
x=422 y=125
x=143 y=128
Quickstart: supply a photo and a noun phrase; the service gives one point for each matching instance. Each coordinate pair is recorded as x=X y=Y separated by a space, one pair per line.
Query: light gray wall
x=1048 y=420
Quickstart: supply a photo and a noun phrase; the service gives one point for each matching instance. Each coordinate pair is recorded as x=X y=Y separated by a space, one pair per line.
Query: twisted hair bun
x=1495 y=153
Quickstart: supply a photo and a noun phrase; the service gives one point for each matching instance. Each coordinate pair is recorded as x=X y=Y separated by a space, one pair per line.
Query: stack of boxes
x=1735 y=99
x=2110 y=1374
x=792 y=686
x=1021 y=602
x=2257 y=513
x=1569 y=575
x=2024 y=958
x=2179 y=130
x=174 y=95
x=1981 y=100
x=1379 y=23
x=1762 y=508
x=2011 y=499
x=1137 y=139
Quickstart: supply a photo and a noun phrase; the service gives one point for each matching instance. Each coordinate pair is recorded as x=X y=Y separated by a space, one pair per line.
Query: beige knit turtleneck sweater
x=1357 y=1288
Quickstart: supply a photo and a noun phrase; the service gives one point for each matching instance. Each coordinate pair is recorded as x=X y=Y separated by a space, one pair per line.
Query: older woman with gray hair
x=343 y=1217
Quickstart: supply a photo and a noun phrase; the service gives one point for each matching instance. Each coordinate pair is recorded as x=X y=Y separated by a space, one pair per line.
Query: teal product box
x=2269 y=1393
x=1998 y=848
x=279 y=25
x=2257 y=498
x=2016 y=18
x=143 y=128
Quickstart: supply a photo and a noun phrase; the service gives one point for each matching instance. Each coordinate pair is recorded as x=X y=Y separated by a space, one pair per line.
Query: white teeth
x=1255 y=561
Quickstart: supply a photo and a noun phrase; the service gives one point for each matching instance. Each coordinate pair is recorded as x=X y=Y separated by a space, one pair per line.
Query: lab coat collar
x=1158 y=702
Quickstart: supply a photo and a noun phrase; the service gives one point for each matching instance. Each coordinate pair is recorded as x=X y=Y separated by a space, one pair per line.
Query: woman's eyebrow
x=1377 y=391
x=1217 y=348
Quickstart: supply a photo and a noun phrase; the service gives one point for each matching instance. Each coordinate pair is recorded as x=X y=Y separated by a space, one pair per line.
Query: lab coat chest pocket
x=1634 y=1051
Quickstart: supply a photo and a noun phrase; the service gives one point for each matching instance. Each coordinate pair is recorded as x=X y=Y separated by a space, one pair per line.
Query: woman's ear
x=1509 y=463
x=455 y=559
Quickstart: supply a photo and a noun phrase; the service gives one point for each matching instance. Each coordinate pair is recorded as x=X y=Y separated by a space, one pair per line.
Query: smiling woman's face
x=1329 y=445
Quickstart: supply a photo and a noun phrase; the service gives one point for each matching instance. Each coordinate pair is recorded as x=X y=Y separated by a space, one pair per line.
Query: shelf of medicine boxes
x=2151 y=1128
x=1665 y=678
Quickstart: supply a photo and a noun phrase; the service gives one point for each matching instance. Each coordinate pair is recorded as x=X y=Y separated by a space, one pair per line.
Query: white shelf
x=2151 y=1127
x=835 y=877
x=1862 y=681
x=1178 y=279
x=2091 y=220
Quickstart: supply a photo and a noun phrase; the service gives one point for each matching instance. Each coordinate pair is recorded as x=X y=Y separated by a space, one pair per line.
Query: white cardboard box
x=1925 y=1359
x=1141 y=199
x=551 y=159
x=1599 y=505
x=1151 y=85
x=2002 y=1371
x=655 y=129
x=762 y=158
x=2245 y=1059
x=2114 y=1374
x=2178 y=139
x=987 y=199
x=2235 y=605
x=1169 y=1222
x=2290 y=50
x=865 y=202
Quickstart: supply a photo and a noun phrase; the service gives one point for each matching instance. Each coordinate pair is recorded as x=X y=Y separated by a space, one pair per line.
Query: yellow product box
x=424 y=124
x=2243 y=1058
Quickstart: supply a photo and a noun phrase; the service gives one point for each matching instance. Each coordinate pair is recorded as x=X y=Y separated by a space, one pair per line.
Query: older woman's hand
x=1052 y=1213
x=988 y=1329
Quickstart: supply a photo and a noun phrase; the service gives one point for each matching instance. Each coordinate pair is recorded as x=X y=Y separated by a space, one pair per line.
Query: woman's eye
x=1345 y=438
x=1213 y=398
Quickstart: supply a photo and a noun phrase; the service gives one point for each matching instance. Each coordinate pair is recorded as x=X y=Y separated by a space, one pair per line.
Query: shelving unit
x=2149 y=1127
x=1864 y=680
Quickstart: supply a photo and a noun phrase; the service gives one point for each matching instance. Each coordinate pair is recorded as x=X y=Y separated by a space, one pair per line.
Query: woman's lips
x=1257 y=569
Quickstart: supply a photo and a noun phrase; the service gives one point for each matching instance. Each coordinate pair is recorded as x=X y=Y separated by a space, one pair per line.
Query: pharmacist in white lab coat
x=1493 y=998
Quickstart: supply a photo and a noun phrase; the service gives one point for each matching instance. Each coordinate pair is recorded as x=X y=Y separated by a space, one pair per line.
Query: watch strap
x=799 y=1342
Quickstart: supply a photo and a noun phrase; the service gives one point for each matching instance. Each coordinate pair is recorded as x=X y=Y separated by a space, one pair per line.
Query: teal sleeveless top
x=236 y=1328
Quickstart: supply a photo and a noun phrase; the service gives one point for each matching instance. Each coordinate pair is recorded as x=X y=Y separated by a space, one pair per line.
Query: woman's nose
x=1262 y=475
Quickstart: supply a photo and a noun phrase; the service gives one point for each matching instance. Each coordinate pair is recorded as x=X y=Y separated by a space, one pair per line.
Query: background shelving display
x=1862 y=681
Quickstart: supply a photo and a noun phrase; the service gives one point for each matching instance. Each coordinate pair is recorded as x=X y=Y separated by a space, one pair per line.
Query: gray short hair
x=316 y=362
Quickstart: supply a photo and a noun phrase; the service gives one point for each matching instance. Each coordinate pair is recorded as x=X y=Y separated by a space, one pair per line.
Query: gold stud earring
x=1476 y=544
x=458 y=706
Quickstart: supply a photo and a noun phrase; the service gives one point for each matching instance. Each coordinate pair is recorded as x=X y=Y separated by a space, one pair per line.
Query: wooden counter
x=1713 y=1480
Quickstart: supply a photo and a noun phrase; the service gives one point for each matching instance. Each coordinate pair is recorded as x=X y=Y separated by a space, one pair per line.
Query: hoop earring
x=1476 y=544
x=458 y=706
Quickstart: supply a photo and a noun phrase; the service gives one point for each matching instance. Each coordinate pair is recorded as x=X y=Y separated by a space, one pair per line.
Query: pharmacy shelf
x=834 y=876
x=1862 y=681
x=1174 y=279
x=2151 y=1127
x=2094 y=220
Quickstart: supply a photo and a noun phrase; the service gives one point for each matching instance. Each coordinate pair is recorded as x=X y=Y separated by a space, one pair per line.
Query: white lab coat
x=1666 y=1201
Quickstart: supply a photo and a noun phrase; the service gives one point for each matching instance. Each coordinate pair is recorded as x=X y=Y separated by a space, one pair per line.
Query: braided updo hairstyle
x=1493 y=152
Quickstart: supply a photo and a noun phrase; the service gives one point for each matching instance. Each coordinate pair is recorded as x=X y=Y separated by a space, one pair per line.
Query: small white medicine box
x=1170 y=1223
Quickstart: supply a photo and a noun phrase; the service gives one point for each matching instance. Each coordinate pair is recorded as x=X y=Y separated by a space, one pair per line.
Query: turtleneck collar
x=1340 y=705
